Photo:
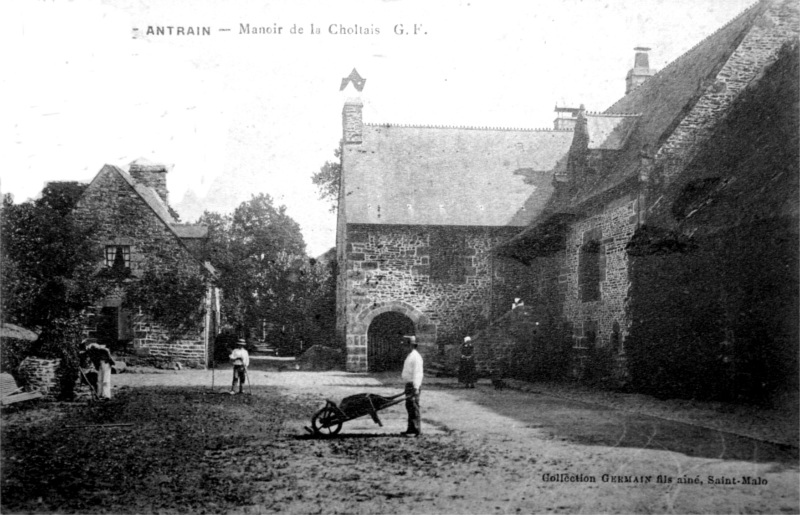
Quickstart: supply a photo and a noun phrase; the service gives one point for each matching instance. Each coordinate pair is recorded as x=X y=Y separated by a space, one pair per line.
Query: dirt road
x=484 y=451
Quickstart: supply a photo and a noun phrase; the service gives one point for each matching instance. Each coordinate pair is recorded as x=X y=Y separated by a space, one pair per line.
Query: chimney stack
x=153 y=175
x=352 y=123
x=641 y=70
x=566 y=118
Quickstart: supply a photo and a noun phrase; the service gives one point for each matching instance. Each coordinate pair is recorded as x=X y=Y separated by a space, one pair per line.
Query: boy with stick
x=241 y=360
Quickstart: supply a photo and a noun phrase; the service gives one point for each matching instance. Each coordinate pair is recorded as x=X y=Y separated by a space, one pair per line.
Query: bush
x=12 y=352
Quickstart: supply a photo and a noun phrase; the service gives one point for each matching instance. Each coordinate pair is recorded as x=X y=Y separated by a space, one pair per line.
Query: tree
x=253 y=250
x=317 y=285
x=328 y=179
x=49 y=261
x=49 y=272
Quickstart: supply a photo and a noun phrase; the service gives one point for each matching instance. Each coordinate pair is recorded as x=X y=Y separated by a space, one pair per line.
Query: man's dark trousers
x=412 y=406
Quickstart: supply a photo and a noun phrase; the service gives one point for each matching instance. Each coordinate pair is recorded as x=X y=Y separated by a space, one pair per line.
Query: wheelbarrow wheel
x=326 y=422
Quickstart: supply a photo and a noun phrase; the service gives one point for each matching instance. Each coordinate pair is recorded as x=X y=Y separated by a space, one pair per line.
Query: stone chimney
x=566 y=117
x=352 y=123
x=151 y=174
x=641 y=70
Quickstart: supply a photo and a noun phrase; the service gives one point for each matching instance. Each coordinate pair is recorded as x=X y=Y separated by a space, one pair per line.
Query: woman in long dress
x=466 y=369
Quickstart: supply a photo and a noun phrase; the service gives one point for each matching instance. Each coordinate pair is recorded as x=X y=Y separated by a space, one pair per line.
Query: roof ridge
x=672 y=63
x=614 y=115
x=467 y=127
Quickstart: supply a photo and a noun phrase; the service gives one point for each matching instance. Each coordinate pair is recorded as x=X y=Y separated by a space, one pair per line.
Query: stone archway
x=358 y=338
x=386 y=348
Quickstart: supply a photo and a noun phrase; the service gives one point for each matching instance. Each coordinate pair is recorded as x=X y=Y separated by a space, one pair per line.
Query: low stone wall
x=154 y=344
x=40 y=374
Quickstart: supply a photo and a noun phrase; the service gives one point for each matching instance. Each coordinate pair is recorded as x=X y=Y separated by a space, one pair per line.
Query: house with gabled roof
x=420 y=208
x=135 y=229
x=668 y=252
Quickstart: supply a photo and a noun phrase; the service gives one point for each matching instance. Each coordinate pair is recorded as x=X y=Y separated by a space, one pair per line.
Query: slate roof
x=609 y=132
x=642 y=120
x=663 y=101
x=451 y=176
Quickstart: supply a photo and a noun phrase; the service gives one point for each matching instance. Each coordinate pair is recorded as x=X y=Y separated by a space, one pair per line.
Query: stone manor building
x=655 y=239
x=420 y=210
x=135 y=230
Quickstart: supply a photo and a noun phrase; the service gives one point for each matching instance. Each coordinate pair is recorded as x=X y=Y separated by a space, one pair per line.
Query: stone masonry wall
x=40 y=375
x=123 y=217
x=155 y=343
x=613 y=227
x=390 y=266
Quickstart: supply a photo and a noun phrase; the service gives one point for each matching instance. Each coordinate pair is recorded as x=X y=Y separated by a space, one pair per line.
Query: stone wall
x=121 y=217
x=40 y=375
x=155 y=344
x=715 y=315
x=612 y=227
x=387 y=268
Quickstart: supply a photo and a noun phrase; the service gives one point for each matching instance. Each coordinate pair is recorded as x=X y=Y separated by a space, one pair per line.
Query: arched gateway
x=371 y=340
x=386 y=348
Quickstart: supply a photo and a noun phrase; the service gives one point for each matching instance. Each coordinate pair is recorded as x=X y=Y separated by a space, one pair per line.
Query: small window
x=589 y=271
x=118 y=256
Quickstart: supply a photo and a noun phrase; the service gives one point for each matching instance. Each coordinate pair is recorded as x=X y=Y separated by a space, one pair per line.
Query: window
x=447 y=256
x=589 y=271
x=118 y=256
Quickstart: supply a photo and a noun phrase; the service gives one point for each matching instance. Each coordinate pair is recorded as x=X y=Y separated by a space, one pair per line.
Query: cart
x=328 y=420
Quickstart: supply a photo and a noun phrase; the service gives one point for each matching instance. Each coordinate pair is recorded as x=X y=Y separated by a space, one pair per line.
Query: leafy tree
x=49 y=261
x=170 y=293
x=317 y=302
x=48 y=272
x=328 y=178
x=253 y=250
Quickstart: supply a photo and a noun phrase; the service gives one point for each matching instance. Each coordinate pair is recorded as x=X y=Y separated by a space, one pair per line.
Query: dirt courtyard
x=177 y=444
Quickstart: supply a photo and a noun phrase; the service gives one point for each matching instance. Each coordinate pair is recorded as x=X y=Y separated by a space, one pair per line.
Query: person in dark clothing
x=466 y=368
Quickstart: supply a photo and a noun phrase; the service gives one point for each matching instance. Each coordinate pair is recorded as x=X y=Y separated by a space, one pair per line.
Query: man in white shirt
x=412 y=375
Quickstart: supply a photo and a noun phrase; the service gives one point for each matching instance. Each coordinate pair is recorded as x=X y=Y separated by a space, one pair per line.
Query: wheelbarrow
x=329 y=419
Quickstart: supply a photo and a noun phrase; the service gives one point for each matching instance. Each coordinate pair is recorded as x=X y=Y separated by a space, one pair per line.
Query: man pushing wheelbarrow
x=328 y=420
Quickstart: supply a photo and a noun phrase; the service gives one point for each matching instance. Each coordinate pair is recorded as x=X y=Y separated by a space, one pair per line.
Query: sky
x=262 y=112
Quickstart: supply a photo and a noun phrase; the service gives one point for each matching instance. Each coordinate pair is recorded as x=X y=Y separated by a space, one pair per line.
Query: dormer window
x=118 y=256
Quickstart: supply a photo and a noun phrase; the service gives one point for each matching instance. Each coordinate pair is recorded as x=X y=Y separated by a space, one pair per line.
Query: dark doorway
x=114 y=328
x=386 y=348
